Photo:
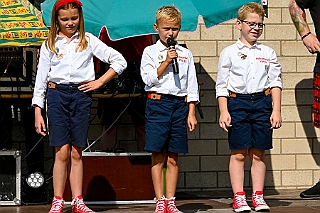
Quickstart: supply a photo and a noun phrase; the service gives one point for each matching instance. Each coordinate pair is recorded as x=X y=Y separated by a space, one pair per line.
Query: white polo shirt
x=183 y=84
x=247 y=70
x=71 y=66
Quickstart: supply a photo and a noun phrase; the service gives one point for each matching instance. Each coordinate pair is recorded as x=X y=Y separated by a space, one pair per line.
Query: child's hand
x=192 y=122
x=39 y=122
x=171 y=54
x=276 y=120
x=90 y=86
x=225 y=121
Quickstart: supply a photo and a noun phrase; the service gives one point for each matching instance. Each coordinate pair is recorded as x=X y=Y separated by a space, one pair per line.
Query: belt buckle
x=52 y=85
x=154 y=96
x=232 y=94
x=267 y=92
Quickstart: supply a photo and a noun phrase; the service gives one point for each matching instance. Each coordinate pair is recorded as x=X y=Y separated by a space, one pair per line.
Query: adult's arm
x=298 y=16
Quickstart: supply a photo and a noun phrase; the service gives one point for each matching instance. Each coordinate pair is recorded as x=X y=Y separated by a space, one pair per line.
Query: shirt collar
x=241 y=45
x=59 y=37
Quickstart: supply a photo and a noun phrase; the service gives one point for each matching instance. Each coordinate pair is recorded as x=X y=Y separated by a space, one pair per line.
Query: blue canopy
x=136 y=17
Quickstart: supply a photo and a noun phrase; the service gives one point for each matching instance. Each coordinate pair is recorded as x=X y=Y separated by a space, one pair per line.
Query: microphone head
x=171 y=42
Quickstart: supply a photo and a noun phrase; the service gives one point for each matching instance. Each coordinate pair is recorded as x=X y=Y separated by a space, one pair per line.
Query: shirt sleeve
x=224 y=67
x=148 y=68
x=107 y=54
x=42 y=76
x=193 y=88
x=304 y=4
x=275 y=70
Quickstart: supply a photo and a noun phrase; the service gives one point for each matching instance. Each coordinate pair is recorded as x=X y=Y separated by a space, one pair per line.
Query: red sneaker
x=78 y=206
x=57 y=205
x=239 y=202
x=258 y=202
x=160 y=206
x=171 y=206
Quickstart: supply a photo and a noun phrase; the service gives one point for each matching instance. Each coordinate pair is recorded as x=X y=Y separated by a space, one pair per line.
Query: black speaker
x=17 y=68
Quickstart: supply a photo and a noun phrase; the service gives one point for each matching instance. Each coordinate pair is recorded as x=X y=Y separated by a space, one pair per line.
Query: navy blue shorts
x=68 y=115
x=166 y=125
x=250 y=119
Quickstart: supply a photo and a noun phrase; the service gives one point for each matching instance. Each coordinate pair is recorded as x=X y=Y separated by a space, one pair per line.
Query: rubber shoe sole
x=242 y=209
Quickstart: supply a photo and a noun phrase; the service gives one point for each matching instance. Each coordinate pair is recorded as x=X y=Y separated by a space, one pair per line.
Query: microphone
x=171 y=43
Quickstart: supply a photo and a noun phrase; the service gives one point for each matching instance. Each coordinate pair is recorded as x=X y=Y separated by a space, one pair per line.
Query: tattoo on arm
x=298 y=16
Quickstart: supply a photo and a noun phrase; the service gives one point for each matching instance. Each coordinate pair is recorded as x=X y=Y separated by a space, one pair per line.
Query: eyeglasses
x=252 y=25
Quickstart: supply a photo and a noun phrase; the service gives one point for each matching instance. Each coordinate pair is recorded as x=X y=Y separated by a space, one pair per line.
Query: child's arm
x=275 y=83
x=275 y=119
x=225 y=118
x=192 y=120
x=107 y=55
x=224 y=67
x=43 y=69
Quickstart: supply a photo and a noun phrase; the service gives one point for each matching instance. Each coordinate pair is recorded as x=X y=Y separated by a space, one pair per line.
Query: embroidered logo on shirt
x=242 y=56
x=59 y=56
x=263 y=60
x=183 y=59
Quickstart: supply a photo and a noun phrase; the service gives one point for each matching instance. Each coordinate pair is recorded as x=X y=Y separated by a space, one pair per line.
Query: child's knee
x=158 y=158
x=256 y=154
x=172 y=159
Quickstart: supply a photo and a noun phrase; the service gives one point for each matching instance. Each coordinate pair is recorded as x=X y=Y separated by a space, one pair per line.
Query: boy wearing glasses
x=248 y=90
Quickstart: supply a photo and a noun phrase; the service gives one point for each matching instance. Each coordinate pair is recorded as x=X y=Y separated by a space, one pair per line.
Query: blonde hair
x=168 y=13
x=54 y=28
x=251 y=7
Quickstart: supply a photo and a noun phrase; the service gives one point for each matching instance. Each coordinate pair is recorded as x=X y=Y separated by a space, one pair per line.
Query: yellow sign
x=19 y=25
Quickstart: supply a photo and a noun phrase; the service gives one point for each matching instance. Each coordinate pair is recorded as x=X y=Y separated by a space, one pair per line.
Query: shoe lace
x=80 y=205
x=172 y=206
x=57 y=205
x=160 y=206
x=258 y=199
x=241 y=200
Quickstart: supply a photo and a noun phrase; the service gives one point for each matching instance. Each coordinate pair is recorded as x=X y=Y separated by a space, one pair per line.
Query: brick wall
x=292 y=163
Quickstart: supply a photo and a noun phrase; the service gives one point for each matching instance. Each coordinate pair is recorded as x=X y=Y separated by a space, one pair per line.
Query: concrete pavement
x=280 y=201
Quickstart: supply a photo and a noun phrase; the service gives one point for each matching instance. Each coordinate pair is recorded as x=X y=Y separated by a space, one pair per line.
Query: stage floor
x=215 y=202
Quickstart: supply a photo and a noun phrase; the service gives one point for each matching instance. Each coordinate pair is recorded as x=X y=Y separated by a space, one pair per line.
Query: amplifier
x=10 y=177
